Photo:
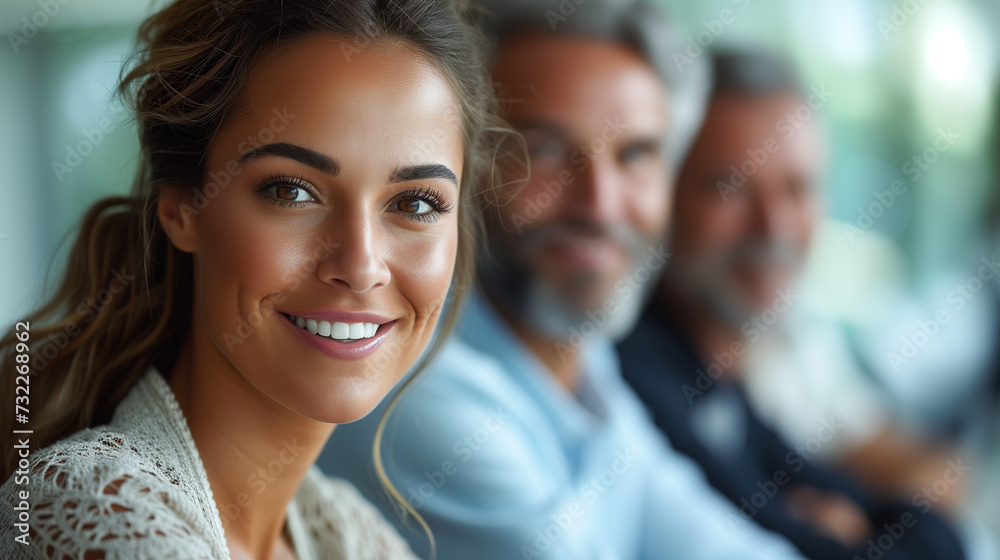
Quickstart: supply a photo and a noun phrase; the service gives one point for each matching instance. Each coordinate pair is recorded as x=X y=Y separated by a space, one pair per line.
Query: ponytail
x=115 y=313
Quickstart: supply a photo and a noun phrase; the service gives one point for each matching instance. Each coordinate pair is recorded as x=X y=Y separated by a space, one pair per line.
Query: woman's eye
x=285 y=191
x=414 y=206
x=421 y=205
x=290 y=193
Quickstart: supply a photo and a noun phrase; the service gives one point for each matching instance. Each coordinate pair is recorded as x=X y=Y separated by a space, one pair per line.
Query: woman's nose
x=358 y=261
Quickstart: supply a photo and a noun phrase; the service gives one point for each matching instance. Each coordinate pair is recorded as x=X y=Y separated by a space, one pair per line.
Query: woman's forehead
x=384 y=100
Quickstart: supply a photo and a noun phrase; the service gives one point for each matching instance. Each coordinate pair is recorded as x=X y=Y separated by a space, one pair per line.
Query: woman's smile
x=342 y=335
x=344 y=349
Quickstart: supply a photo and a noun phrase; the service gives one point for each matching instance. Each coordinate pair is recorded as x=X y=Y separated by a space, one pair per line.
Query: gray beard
x=545 y=309
x=707 y=281
x=540 y=307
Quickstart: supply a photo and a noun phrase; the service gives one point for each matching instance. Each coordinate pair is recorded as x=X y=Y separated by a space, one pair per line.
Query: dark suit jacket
x=750 y=464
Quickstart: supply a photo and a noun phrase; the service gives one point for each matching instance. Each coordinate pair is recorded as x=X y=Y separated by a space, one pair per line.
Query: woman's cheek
x=424 y=266
x=246 y=260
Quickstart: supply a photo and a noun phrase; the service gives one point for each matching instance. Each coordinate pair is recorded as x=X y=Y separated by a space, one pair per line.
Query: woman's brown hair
x=125 y=300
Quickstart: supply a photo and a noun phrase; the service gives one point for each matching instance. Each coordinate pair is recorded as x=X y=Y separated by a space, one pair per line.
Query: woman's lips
x=337 y=330
x=357 y=343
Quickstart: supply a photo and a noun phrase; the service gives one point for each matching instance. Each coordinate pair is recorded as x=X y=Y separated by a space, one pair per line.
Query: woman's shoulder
x=97 y=494
x=343 y=523
x=91 y=458
x=133 y=488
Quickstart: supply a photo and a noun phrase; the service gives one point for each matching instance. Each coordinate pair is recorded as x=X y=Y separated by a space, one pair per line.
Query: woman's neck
x=255 y=451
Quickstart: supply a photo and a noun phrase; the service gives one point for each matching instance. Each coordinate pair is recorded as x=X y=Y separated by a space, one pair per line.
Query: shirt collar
x=483 y=328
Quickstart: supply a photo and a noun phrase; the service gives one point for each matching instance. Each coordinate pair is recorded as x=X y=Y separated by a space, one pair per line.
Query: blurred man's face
x=593 y=115
x=735 y=246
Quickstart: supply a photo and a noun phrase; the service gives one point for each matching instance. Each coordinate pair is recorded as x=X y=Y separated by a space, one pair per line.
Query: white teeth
x=337 y=330
x=341 y=330
x=357 y=330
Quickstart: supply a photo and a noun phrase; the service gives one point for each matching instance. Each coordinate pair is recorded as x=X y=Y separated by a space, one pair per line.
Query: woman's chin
x=346 y=415
x=344 y=406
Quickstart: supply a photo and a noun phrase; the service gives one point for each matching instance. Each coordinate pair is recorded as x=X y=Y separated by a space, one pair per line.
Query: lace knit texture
x=136 y=489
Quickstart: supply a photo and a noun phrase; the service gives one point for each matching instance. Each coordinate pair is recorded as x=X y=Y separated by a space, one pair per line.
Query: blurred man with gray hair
x=524 y=442
x=748 y=205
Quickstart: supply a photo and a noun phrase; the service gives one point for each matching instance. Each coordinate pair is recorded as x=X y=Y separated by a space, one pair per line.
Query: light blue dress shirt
x=504 y=463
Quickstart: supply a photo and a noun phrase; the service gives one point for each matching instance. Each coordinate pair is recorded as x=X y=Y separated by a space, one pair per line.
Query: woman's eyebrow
x=428 y=171
x=301 y=154
x=330 y=166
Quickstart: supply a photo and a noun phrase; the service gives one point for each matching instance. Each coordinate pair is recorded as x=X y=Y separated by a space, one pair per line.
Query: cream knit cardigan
x=135 y=489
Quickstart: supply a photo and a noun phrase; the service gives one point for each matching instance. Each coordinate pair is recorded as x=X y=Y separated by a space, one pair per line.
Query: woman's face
x=324 y=254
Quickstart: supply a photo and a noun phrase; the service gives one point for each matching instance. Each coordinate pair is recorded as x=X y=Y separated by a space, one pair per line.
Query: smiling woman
x=309 y=180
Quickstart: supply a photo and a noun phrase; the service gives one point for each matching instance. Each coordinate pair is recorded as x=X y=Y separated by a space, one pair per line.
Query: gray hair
x=754 y=73
x=634 y=23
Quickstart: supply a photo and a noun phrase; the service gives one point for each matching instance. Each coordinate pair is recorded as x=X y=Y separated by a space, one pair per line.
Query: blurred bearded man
x=524 y=442
x=747 y=205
